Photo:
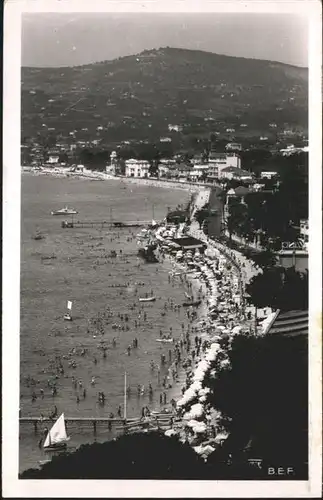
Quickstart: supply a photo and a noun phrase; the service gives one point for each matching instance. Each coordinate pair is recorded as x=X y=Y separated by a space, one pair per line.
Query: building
x=268 y=175
x=235 y=173
x=303 y=232
x=184 y=171
x=233 y=146
x=199 y=173
x=219 y=161
x=189 y=243
x=288 y=324
x=174 y=128
x=137 y=168
x=291 y=150
x=167 y=169
x=53 y=159
x=197 y=159
x=258 y=187
x=112 y=167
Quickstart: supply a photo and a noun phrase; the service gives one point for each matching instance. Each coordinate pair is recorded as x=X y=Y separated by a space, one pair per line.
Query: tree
x=202 y=214
x=279 y=288
x=264 y=393
x=238 y=218
x=133 y=456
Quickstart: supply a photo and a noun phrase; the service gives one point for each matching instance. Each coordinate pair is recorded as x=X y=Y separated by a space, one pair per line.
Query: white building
x=137 y=168
x=175 y=128
x=53 y=159
x=219 y=161
x=233 y=146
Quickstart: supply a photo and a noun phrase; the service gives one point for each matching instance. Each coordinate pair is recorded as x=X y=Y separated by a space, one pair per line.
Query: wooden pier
x=103 y=224
x=159 y=421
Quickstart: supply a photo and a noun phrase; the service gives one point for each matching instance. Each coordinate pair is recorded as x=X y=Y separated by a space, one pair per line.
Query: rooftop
x=291 y=324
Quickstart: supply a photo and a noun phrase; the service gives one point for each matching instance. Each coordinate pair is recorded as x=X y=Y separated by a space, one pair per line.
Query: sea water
x=76 y=265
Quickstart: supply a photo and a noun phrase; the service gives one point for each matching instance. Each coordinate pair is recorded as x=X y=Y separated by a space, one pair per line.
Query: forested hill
x=165 y=86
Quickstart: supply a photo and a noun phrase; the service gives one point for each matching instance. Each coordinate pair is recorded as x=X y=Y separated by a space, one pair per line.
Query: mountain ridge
x=136 y=97
x=104 y=61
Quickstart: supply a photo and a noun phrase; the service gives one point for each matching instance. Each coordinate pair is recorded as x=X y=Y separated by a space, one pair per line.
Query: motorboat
x=147 y=299
x=167 y=341
x=64 y=211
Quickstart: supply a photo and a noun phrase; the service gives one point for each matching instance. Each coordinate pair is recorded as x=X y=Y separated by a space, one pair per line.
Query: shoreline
x=223 y=317
x=101 y=176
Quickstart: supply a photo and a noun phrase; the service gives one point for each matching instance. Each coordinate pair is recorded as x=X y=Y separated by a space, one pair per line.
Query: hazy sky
x=71 y=39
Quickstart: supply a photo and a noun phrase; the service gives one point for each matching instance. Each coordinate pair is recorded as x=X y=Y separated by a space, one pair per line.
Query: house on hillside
x=137 y=168
x=233 y=146
x=174 y=128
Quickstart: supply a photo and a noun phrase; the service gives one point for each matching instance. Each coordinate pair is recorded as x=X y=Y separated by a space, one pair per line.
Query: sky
x=71 y=39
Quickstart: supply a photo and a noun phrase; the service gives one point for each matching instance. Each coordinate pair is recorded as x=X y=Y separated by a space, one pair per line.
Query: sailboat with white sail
x=57 y=437
x=68 y=315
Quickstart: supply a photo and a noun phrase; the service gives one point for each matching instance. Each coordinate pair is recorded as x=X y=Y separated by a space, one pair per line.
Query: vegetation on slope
x=136 y=97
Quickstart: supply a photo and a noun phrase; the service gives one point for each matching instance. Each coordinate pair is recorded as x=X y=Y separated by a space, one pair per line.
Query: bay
x=83 y=271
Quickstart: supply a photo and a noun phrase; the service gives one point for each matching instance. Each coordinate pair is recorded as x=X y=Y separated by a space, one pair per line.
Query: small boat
x=57 y=438
x=38 y=236
x=147 y=299
x=64 y=211
x=192 y=303
x=165 y=340
x=68 y=315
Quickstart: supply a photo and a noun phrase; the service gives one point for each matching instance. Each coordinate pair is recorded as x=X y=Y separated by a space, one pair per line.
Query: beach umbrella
x=204 y=451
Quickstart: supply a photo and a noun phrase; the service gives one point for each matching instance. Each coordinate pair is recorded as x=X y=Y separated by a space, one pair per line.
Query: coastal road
x=214 y=224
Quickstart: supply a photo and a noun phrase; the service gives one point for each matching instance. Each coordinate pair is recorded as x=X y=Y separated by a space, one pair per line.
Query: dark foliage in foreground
x=136 y=456
x=279 y=288
x=265 y=394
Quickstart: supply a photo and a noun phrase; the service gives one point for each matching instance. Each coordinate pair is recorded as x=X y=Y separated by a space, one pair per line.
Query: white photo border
x=12 y=486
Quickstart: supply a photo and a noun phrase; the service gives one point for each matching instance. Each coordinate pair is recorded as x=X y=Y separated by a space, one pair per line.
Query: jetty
x=103 y=224
x=158 y=420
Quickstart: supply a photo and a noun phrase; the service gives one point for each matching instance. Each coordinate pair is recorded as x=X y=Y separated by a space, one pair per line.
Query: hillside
x=136 y=97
